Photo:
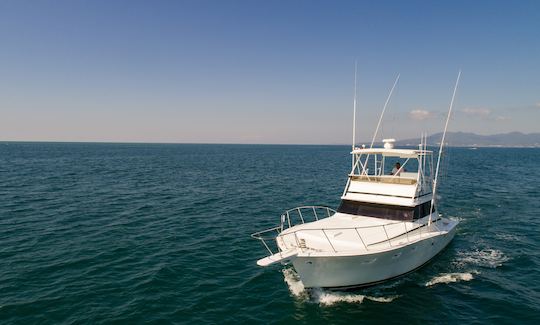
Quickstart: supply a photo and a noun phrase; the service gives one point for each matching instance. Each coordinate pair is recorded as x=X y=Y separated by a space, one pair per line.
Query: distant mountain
x=465 y=139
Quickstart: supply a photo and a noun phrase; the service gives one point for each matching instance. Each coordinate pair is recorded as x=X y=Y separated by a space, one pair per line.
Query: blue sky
x=264 y=71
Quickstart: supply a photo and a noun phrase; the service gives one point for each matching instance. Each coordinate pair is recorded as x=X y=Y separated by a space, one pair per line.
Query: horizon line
x=244 y=144
x=239 y=143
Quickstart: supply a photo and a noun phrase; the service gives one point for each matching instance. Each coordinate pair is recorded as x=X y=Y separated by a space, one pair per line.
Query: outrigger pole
x=378 y=124
x=434 y=195
x=354 y=113
x=384 y=109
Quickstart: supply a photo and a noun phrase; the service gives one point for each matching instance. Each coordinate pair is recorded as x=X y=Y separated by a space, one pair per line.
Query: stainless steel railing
x=410 y=229
x=308 y=211
x=301 y=214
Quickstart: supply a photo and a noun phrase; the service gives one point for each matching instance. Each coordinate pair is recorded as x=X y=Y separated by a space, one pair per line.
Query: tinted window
x=384 y=211
x=376 y=211
x=423 y=210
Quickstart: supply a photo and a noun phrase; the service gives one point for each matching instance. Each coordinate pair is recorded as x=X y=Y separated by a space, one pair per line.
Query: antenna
x=425 y=155
x=441 y=149
x=384 y=109
x=354 y=112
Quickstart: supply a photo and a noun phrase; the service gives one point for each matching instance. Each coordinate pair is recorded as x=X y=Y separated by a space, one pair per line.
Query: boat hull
x=368 y=269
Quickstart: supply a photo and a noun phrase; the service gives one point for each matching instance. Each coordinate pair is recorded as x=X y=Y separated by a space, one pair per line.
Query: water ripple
x=133 y=233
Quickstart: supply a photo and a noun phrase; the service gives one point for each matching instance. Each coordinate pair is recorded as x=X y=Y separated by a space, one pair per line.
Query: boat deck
x=344 y=234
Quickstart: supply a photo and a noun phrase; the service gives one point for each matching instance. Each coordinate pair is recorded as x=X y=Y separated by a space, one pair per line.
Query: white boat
x=386 y=225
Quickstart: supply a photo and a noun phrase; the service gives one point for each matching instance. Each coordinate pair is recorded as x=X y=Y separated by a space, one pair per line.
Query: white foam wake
x=325 y=297
x=491 y=258
x=451 y=277
x=456 y=218
x=328 y=298
x=296 y=287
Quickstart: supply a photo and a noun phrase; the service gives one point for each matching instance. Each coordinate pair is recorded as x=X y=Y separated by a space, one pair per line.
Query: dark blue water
x=131 y=233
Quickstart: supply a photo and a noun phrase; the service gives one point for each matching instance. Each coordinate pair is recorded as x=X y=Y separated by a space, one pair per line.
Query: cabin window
x=389 y=212
x=376 y=210
x=423 y=210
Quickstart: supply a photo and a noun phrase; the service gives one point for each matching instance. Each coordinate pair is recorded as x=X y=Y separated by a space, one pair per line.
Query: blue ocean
x=160 y=233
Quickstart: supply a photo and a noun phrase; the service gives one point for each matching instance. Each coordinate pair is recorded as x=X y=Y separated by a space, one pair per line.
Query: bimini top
x=402 y=153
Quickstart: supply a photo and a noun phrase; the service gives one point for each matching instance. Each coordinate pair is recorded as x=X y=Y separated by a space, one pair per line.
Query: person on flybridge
x=397 y=170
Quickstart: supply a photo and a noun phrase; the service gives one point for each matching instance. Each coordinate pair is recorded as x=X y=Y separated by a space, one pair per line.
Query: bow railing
x=291 y=218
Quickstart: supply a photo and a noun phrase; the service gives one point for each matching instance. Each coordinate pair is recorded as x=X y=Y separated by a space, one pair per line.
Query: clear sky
x=264 y=71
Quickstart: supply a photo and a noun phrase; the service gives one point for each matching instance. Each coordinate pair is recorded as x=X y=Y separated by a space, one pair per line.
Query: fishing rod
x=433 y=197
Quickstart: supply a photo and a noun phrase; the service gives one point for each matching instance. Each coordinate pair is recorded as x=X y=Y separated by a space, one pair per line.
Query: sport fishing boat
x=386 y=225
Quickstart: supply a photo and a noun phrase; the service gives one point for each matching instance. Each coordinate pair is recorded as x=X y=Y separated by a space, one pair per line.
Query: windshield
x=389 y=212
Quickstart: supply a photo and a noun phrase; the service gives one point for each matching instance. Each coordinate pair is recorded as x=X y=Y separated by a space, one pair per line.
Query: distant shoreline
x=253 y=144
x=454 y=139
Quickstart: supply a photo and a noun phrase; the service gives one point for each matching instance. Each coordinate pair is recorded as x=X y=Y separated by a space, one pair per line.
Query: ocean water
x=159 y=233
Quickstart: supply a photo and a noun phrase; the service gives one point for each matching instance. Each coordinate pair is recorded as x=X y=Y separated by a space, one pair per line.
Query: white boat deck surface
x=344 y=233
x=342 y=220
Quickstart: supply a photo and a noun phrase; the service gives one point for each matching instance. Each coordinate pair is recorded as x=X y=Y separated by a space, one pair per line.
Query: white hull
x=367 y=269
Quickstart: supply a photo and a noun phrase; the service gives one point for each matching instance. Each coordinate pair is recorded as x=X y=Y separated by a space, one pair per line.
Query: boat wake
x=508 y=237
x=451 y=277
x=489 y=258
x=296 y=287
x=456 y=218
x=326 y=297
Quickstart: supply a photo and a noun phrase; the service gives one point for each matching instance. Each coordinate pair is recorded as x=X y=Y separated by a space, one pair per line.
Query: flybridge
x=401 y=177
x=382 y=189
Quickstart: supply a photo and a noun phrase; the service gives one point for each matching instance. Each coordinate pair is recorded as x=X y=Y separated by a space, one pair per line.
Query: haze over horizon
x=264 y=72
